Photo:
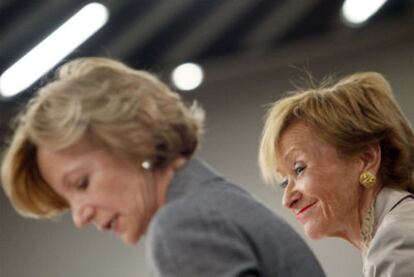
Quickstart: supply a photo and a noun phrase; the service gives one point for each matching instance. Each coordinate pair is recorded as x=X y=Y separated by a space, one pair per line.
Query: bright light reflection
x=187 y=76
x=356 y=12
x=53 y=49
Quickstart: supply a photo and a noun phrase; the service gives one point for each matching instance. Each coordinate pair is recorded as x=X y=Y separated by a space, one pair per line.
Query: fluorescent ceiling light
x=53 y=49
x=356 y=12
x=187 y=76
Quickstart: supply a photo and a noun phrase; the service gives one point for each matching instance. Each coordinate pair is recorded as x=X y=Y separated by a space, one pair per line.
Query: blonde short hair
x=127 y=111
x=356 y=111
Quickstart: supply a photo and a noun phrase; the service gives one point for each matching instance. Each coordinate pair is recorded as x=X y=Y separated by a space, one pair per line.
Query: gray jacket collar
x=191 y=175
x=386 y=200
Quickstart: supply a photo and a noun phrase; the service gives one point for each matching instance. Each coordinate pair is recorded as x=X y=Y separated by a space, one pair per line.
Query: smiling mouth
x=304 y=209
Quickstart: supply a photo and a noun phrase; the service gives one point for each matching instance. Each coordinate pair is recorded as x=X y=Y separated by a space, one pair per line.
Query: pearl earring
x=146 y=165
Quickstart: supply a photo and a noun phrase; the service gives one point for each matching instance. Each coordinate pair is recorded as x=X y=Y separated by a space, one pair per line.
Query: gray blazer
x=212 y=228
x=391 y=250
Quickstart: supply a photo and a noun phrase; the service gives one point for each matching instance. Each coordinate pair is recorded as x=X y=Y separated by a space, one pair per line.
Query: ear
x=370 y=158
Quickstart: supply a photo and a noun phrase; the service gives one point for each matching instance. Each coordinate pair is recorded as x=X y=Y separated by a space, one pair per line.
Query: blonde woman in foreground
x=115 y=146
x=344 y=155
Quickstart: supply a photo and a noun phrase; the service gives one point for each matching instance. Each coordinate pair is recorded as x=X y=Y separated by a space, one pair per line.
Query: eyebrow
x=293 y=150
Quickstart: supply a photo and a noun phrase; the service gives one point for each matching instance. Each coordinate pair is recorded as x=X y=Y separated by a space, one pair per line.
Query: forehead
x=296 y=132
x=82 y=146
x=53 y=163
x=299 y=138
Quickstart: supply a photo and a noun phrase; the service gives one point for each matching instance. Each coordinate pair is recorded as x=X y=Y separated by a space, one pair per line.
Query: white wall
x=234 y=100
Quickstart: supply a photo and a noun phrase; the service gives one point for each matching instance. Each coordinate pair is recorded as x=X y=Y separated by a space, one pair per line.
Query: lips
x=110 y=224
x=302 y=211
x=105 y=227
x=115 y=226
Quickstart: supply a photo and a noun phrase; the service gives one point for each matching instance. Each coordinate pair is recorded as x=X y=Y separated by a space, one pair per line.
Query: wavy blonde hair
x=356 y=111
x=127 y=111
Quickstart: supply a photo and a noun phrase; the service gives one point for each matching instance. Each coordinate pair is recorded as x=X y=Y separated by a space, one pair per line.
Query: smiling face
x=102 y=188
x=321 y=189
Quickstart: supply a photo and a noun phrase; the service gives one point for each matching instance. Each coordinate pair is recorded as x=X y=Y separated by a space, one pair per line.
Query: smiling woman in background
x=115 y=146
x=344 y=155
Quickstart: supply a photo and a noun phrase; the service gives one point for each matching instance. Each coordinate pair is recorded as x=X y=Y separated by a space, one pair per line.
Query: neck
x=164 y=177
x=360 y=232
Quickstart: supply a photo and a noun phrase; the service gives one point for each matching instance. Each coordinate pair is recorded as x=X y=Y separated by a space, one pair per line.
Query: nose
x=82 y=215
x=291 y=197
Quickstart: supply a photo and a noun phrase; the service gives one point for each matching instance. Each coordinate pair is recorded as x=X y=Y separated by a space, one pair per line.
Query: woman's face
x=321 y=189
x=102 y=188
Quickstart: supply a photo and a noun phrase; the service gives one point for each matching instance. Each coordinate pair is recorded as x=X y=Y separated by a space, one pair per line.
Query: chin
x=313 y=232
x=130 y=239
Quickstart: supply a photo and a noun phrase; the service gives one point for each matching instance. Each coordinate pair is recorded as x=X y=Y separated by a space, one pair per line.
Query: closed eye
x=83 y=184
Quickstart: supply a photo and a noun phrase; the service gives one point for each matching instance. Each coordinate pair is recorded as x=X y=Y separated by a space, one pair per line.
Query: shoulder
x=397 y=227
x=392 y=248
x=230 y=230
x=187 y=228
x=397 y=224
x=214 y=202
x=223 y=210
x=394 y=232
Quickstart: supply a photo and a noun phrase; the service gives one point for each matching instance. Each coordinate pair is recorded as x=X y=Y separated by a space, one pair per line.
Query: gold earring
x=367 y=179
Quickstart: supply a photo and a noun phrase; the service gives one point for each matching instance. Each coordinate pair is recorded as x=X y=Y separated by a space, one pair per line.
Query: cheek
x=336 y=199
x=143 y=195
x=324 y=182
x=323 y=189
x=313 y=186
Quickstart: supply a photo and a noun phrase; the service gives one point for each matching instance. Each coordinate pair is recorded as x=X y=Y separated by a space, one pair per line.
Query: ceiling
x=159 y=34
x=155 y=34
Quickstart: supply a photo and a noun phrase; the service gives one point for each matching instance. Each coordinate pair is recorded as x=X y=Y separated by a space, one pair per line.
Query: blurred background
x=249 y=53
